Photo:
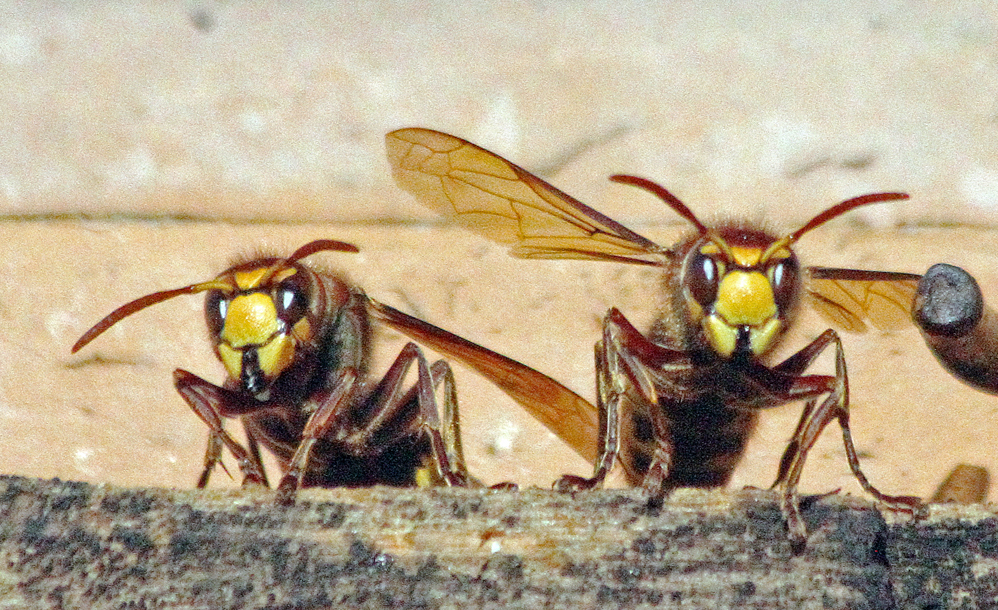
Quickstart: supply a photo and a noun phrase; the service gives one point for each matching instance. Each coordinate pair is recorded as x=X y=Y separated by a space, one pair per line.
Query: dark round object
x=948 y=302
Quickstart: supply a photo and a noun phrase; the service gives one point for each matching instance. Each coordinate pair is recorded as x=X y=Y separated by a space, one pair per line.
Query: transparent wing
x=848 y=298
x=503 y=202
x=571 y=417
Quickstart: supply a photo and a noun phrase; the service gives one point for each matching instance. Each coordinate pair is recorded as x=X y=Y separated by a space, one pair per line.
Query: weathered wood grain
x=75 y=545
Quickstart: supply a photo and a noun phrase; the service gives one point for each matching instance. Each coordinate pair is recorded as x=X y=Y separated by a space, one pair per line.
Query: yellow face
x=740 y=293
x=259 y=325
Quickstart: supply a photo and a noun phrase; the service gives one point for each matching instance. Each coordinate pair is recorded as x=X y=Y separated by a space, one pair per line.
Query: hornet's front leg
x=813 y=421
x=624 y=361
x=211 y=403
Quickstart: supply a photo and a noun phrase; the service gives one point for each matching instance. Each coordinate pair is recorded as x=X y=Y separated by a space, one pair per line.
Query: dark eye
x=291 y=298
x=702 y=279
x=784 y=278
x=216 y=306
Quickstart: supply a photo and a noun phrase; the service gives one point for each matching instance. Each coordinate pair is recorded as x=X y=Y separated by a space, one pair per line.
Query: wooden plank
x=76 y=545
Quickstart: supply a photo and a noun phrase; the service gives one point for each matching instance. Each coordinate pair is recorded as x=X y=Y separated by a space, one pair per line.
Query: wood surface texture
x=77 y=545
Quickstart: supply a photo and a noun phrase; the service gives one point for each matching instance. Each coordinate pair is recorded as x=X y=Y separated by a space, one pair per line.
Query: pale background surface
x=144 y=145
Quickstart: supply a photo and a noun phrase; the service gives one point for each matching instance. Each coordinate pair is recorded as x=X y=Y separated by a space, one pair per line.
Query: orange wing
x=571 y=417
x=505 y=203
x=848 y=298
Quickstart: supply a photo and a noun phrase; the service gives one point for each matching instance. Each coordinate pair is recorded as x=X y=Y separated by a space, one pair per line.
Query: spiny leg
x=444 y=437
x=450 y=429
x=316 y=427
x=451 y=426
x=609 y=427
x=619 y=372
x=654 y=482
x=391 y=399
x=254 y=448
x=208 y=402
x=212 y=458
x=814 y=419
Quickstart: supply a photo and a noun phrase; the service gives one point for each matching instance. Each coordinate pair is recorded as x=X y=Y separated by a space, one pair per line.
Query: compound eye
x=702 y=279
x=291 y=299
x=783 y=276
x=216 y=307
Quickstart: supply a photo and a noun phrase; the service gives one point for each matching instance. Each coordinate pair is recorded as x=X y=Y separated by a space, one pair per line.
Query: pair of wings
x=503 y=202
